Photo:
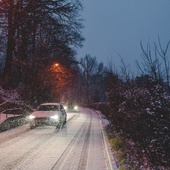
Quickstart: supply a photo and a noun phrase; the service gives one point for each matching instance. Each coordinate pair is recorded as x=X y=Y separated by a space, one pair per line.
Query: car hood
x=45 y=113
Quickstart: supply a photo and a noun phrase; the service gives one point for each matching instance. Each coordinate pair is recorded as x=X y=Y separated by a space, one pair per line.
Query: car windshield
x=48 y=108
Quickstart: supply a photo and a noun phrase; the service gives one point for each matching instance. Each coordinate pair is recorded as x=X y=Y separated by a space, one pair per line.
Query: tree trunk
x=10 y=47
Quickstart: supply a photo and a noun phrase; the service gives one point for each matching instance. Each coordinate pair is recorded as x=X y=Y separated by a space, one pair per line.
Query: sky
x=113 y=29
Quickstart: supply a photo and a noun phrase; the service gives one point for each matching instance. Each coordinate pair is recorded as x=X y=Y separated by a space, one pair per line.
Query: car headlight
x=65 y=107
x=56 y=117
x=31 y=117
x=75 y=107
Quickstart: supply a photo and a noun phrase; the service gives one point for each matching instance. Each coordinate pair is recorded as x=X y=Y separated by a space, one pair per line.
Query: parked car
x=52 y=114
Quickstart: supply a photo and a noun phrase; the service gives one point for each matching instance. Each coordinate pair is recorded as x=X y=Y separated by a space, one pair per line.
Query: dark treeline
x=38 y=46
x=34 y=35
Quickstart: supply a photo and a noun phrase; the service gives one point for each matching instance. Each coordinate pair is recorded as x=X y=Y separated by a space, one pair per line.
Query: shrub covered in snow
x=142 y=113
x=12 y=110
x=11 y=105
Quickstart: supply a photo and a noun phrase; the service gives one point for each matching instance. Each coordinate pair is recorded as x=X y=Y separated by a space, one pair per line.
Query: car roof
x=50 y=104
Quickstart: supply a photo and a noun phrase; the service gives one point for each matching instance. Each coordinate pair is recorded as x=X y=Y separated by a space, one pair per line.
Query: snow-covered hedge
x=11 y=103
x=14 y=108
x=12 y=122
x=142 y=114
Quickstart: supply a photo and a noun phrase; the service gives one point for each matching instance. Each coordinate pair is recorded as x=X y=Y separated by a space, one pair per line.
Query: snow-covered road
x=77 y=146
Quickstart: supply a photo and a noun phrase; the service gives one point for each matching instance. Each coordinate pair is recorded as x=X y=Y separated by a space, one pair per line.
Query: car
x=52 y=114
x=71 y=108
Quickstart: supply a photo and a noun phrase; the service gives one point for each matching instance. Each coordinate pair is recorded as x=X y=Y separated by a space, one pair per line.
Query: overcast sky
x=116 y=27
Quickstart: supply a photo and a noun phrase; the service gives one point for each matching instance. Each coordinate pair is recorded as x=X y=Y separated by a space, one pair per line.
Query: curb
x=111 y=159
x=109 y=153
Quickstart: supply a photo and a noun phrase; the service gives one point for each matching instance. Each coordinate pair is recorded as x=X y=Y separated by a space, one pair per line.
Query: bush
x=12 y=122
x=143 y=115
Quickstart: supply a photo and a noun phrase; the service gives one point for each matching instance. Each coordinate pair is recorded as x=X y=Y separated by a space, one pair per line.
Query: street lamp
x=57 y=64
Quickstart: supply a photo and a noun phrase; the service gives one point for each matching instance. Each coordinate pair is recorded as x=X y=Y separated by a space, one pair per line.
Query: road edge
x=109 y=153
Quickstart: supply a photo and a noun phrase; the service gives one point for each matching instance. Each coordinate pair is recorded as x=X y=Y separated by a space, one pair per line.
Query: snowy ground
x=81 y=144
x=22 y=129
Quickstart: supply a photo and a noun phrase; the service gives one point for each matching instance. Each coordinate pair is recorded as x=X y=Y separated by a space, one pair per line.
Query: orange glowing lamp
x=56 y=64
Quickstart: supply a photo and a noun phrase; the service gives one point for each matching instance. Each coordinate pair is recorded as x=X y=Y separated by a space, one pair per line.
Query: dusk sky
x=116 y=27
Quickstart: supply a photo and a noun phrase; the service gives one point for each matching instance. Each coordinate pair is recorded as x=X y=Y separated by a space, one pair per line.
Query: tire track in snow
x=75 y=155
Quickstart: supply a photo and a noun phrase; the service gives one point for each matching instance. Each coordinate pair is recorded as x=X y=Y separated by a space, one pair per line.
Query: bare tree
x=163 y=53
x=92 y=74
x=126 y=73
x=156 y=62
x=151 y=63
